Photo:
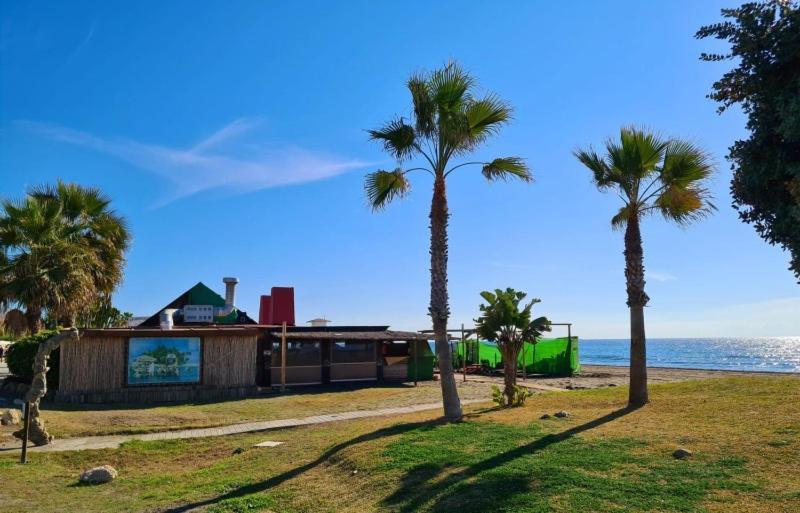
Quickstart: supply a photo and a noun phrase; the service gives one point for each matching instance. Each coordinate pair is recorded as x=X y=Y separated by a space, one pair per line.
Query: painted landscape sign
x=163 y=360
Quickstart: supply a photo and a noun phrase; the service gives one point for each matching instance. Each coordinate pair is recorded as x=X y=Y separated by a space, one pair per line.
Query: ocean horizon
x=763 y=354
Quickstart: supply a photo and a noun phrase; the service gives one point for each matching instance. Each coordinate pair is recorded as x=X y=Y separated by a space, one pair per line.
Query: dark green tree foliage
x=104 y=315
x=765 y=41
x=21 y=354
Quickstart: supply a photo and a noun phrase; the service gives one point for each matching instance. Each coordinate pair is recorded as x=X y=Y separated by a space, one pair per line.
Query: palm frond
x=603 y=174
x=485 y=117
x=507 y=167
x=424 y=106
x=620 y=219
x=683 y=205
x=642 y=150
x=685 y=164
x=384 y=186
x=398 y=138
x=450 y=88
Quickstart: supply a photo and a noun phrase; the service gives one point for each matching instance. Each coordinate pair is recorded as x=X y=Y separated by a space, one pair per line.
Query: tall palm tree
x=651 y=175
x=449 y=121
x=63 y=250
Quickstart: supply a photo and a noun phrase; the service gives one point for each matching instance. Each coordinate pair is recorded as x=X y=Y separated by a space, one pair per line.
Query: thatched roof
x=385 y=335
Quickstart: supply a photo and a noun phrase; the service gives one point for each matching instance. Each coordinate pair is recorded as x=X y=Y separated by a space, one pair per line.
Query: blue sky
x=232 y=137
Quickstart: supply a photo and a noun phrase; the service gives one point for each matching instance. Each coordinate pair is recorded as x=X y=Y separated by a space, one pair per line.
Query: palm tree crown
x=63 y=250
x=652 y=175
x=448 y=121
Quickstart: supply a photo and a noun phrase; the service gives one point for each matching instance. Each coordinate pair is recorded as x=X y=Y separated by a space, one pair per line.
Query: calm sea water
x=772 y=354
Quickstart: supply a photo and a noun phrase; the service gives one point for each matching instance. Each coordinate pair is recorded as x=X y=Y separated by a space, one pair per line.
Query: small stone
x=681 y=453
x=354 y=472
x=562 y=414
x=268 y=443
x=612 y=384
x=99 y=475
x=238 y=450
x=545 y=416
x=11 y=417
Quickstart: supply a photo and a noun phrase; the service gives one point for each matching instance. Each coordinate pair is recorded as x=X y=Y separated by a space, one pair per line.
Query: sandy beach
x=599 y=376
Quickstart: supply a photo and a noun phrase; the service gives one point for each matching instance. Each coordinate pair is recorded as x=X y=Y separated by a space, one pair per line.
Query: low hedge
x=21 y=355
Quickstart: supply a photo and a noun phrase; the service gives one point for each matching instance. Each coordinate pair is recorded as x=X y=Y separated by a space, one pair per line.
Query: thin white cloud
x=85 y=40
x=659 y=276
x=211 y=163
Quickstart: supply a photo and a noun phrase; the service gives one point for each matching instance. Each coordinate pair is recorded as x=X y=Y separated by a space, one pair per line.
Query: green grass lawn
x=745 y=433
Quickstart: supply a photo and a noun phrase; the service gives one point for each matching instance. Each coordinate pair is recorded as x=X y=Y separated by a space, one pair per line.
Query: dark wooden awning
x=386 y=335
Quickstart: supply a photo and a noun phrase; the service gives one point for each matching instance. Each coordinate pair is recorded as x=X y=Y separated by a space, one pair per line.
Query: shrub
x=520 y=395
x=21 y=355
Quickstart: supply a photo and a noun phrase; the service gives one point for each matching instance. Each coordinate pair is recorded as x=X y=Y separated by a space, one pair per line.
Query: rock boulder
x=99 y=475
x=10 y=417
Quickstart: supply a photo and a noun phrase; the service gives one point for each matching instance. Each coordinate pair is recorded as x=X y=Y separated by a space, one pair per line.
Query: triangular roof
x=200 y=294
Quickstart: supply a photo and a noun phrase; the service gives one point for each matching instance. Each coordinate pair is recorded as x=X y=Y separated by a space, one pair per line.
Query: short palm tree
x=651 y=175
x=63 y=251
x=509 y=324
x=449 y=122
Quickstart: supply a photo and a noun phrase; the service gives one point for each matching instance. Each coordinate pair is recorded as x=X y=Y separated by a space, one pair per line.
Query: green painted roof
x=202 y=295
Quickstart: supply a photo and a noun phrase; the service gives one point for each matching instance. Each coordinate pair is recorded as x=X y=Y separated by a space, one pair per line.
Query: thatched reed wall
x=93 y=370
x=93 y=364
x=229 y=360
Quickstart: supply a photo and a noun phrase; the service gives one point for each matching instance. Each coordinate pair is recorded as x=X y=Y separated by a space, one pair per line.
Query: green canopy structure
x=552 y=356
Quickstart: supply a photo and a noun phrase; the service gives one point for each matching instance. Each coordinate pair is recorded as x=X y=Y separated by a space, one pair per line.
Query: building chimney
x=165 y=320
x=282 y=305
x=230 y=290
x=265 y=310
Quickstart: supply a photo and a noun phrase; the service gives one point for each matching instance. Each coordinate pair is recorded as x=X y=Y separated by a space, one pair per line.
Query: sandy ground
x=599 y=376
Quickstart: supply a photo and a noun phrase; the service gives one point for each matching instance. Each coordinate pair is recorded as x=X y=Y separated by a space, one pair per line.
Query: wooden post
x=464 y=347
x=24 y=456
x=569 y=347
x=283 y=357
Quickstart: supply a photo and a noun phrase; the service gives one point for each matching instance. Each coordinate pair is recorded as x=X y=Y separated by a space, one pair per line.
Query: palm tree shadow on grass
x=422 y=484
x=416 y=488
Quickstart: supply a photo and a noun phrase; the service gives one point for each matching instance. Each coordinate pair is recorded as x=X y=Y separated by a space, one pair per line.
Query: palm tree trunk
x=509 y=373
x=33 y=316
x=439 y=309
x=637 y=300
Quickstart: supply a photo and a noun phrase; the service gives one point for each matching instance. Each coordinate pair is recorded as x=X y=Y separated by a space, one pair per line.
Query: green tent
x=553 y=356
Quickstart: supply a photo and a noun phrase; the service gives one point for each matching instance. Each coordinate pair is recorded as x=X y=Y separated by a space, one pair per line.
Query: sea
x=765 y=354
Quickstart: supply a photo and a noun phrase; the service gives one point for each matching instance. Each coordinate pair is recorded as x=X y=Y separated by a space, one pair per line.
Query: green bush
x=21 y=355
x=520 y=395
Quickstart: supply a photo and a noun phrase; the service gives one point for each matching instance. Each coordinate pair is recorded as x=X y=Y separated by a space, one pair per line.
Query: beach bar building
x=202 y=347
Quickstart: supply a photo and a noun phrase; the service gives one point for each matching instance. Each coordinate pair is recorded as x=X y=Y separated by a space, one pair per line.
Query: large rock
x=10 y=417
x=98 y=475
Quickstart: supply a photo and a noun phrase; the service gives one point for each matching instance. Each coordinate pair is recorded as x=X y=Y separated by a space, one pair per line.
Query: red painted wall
x=278 y=307
x=265 y=310
x=283 y=305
